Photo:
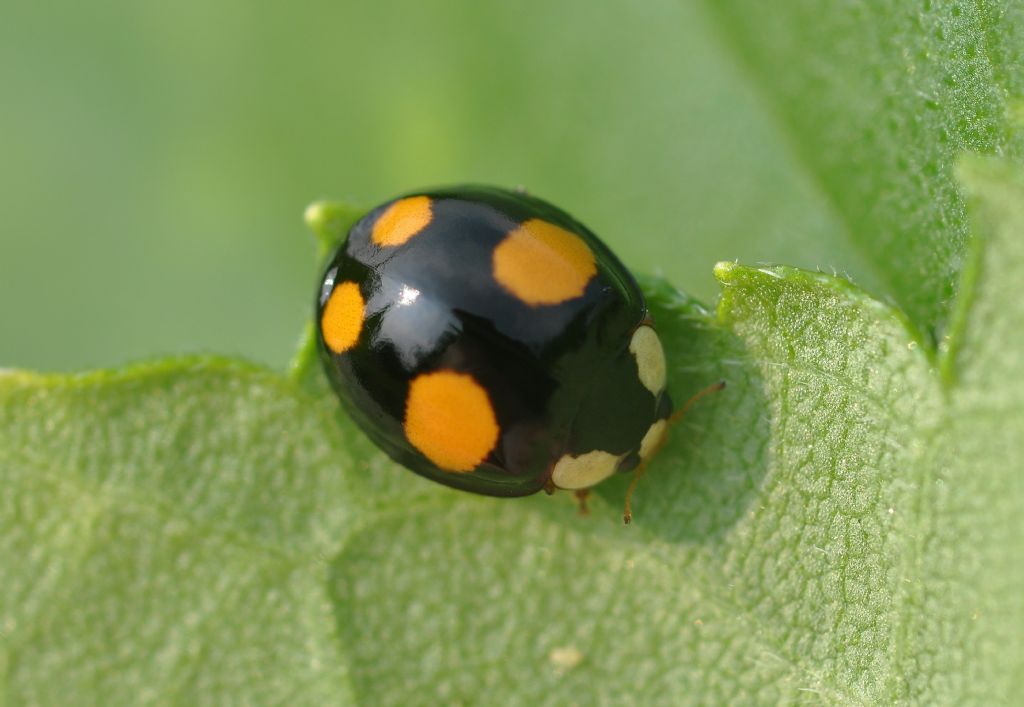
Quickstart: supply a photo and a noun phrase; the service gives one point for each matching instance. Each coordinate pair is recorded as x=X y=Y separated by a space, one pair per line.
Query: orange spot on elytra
x=541 y=263
x=342 y=319
x=449 y=418
x=402 y=220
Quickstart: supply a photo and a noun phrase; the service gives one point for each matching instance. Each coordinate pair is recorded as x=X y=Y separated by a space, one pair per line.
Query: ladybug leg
x=581 y=500
x=549 y=486
x=627 y=515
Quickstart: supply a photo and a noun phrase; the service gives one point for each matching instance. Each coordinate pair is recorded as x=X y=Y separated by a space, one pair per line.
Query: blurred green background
x=155 y=158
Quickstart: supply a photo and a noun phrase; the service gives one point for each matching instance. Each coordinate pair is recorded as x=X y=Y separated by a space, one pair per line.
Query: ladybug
x=487 y=340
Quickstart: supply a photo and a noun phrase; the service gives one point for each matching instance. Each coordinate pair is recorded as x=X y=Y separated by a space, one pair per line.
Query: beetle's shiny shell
x=485 y=339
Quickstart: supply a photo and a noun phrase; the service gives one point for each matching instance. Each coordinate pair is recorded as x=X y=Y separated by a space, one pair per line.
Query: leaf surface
x=840 y=524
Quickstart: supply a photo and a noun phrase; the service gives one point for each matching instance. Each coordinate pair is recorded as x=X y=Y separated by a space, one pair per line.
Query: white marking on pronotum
x=653 y=439
x=584 y=471
x=650 y=358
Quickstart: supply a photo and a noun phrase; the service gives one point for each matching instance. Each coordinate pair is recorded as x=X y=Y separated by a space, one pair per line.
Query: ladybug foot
x=582 y=495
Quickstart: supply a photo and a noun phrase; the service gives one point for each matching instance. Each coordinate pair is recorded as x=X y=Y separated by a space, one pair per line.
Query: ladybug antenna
x=678 y=415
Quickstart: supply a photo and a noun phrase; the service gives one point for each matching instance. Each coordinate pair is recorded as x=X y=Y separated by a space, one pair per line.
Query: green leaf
x=841 y=524
x=877 y=102
x=164 y=535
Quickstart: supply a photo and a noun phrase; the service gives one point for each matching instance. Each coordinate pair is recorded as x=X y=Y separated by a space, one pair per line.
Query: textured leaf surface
x=840 y=525
x=162 y=538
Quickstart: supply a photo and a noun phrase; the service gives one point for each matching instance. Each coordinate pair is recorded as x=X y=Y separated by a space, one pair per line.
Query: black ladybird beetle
x=487 y=340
